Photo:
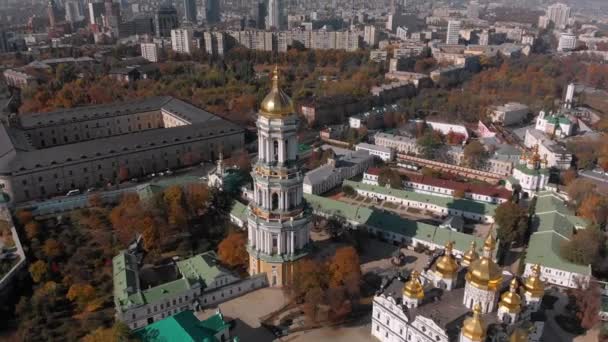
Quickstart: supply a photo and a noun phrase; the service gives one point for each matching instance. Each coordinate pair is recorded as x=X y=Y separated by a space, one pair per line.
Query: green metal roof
x=202 y=269
x=391 y=223
x=239 y=210
x=125 y=277
x=554 y=224
x=304 y=148
x=183 y=327
x=544 y=249
x=532 y=172
x=463 y=204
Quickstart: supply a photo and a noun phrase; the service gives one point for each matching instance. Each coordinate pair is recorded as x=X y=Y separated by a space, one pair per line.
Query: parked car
x=73 y=192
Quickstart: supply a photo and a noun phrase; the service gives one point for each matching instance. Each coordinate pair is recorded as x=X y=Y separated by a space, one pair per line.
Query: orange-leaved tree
x=232 y=250
x=344 y=264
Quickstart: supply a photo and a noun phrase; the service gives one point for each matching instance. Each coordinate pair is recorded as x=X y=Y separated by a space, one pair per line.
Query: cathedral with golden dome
x=464 y=299
x=278 y=233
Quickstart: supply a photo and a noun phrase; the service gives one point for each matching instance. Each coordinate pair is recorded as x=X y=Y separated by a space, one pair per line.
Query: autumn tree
x=458 y=193
x=390 y=177
x=126 y=218
x=309 y=275
x=474 y=154
x=594 y=208
x=197 y=198
x=150 y=234
x=119 y=332
x=38 y=271
x=512 y=222
x=588 y=302
x=52 y=248
x=232 y=251
x=32 y=229
x=24 y=216
x=568 y=176
x=83 y=295
x=174 y=198
x=345 y=263
x=578 y=190
x=584 y=247
x=95 y=201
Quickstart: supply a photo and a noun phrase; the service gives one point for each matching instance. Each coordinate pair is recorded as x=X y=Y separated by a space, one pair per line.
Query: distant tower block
x=569 y=100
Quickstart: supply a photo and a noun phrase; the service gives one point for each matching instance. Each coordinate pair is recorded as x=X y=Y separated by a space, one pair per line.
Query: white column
x=281 y=148
x=292 y=238
x=279 y=244
x=261 y=147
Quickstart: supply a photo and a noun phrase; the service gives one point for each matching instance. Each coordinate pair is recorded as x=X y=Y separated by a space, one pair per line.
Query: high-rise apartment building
x=165 y=20
x=181 y=40
x=149 y=51
x=215 y=43
x=484 y=38
x=74 y=11
x=453 y=32
x=190 y=11
x=212 y=11
x=96 y=12
x=274 y=17
x=112 y=16
x=370 y=35
x=559 y=14
x=473 y=10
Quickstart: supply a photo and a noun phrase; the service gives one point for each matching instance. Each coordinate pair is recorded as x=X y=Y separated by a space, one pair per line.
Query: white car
x=73 y=192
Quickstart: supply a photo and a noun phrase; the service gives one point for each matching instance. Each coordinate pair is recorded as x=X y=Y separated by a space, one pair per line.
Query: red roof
x=486 y=190
x=373 y=171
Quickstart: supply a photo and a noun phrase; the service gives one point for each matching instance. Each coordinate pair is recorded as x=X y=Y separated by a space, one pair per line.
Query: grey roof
x=174 y=106
x=374 y=147
x=547 y=142
x=319 y=174
x=203 y=125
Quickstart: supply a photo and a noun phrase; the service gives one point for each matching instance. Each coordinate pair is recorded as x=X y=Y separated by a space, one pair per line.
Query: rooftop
x=480 y=208
x=184 y=327
x=554 y=224
x=200 y=269
x=391 y=223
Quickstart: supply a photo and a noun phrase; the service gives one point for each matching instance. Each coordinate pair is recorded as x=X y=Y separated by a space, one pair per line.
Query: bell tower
x=278 y=225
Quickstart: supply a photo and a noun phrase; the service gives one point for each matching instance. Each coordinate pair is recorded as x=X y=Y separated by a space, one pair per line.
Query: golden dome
x=413 y=288
x=519 y=335
x=473 y=327
x=484 y=273
x=511 y=300
x=470 y=255
x=533 y=285
x=276 y=103
x=447 y=266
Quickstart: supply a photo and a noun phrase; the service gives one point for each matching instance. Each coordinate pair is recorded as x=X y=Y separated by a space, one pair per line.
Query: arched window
x=276 y=150
x=275 y=201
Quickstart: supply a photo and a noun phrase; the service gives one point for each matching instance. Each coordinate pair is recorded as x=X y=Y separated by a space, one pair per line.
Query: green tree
x=512 y=222
x=390 y=177
x=475 y=154
x=585 y=246
x=428 y=144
